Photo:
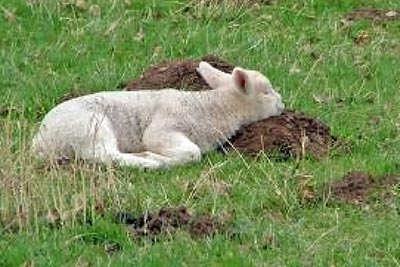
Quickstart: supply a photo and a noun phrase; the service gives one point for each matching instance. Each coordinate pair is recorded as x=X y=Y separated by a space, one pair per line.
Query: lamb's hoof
x=162 y=167
x=63 y=160
x=152 y=165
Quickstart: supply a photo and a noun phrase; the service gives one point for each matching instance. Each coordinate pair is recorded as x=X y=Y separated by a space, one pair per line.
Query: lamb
x=153 y=129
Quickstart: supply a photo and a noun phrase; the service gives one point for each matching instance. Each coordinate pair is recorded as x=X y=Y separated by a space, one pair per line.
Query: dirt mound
x=233 y=3
x=169 y=220
x=291 y=134
x=372 y=14
x=177 y=74
x=360 y=187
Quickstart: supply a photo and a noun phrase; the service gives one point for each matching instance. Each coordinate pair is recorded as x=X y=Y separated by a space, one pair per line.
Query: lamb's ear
x=241 y=80
x=214 y=77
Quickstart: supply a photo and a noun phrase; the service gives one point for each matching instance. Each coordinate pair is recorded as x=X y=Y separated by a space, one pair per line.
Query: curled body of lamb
x=151 y=129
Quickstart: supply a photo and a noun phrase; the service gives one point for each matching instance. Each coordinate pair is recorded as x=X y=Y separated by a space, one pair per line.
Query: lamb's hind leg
x=102 y=146
x=172 y=148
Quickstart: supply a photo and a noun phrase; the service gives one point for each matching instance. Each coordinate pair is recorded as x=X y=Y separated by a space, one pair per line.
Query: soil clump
x=362 y=187
x=180 y=74
x=372 y=14
x=167 y=221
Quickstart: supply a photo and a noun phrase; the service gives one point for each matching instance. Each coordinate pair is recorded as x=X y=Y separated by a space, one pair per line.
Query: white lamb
x=152 y=129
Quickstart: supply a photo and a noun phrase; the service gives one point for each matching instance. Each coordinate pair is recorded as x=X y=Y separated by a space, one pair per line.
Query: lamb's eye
x=267 y=91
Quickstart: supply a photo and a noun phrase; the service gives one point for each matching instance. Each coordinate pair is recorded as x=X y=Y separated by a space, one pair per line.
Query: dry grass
x=33 y=192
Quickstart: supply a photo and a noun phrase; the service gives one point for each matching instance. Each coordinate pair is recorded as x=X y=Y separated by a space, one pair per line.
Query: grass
x=53 y=48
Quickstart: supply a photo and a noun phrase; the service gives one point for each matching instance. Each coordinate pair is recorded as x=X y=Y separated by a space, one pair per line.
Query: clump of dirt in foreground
x=360 y=187
x=169 y=220
x=372 y=14
x=233 y=3
x=292 y=134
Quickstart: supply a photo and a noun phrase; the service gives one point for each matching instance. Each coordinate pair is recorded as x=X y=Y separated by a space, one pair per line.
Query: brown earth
x=361 y=187
x=169 y=220
x=180 y=74
x=372 y=14
x=291 y=134
x=233 y=3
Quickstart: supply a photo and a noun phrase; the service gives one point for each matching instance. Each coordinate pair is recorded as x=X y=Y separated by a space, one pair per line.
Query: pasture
x=346 y=73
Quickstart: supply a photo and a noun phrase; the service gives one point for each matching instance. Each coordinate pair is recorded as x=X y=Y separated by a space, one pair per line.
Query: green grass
x=49 y=50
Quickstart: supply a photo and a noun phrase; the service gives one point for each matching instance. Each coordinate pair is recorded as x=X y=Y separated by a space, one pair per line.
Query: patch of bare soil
x=176 y=74
x=360 y=187
x=234 y=3
x=291 y=134
x=167 y=221
x=372 y=14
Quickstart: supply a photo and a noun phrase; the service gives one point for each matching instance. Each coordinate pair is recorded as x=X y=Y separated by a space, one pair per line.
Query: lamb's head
x=255 y=89
x=258 y=92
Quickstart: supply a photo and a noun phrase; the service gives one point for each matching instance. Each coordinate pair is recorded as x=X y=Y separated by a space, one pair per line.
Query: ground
x=335 y=64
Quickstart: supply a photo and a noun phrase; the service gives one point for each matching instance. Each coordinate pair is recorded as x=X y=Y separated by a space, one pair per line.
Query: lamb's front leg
x=152 y=156
x=172 y=148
